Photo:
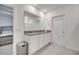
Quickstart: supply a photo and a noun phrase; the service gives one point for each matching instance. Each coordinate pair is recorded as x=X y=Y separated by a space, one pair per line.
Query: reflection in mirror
x=6 y=30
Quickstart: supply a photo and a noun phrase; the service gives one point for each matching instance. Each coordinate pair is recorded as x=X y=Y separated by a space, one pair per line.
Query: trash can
x=22 y=48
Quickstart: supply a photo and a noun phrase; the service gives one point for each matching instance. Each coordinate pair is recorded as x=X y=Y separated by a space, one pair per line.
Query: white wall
x=71 y=27
x=18 y=23
x=71 y=22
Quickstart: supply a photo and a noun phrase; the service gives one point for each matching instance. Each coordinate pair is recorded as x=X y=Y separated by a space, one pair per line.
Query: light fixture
x=44 y=10
x=41 y=13
x=26 y=19
x=35 y=5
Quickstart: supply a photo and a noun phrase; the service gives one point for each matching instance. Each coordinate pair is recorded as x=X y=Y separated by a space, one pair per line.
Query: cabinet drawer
x=34 y=44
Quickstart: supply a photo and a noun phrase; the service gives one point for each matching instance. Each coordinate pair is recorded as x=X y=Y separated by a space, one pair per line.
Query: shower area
x=6 y=30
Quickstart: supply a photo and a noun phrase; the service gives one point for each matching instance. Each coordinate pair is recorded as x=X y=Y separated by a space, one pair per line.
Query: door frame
x=52 y=25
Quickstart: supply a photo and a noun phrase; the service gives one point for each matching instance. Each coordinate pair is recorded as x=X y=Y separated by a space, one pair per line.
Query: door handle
x=63 y=32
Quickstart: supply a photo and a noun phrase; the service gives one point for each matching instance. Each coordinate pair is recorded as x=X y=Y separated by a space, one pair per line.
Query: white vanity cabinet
x=44 y=39
x=36 y=42
x=41 y=38
x=47 y=38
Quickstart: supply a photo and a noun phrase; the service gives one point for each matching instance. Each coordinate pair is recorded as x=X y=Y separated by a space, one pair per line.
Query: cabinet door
x=46 y=38
x=34 y=44
x=41 y=40
x=49 y=37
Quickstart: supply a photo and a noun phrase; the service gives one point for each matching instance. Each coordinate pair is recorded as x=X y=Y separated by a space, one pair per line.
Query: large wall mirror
x=6 y=30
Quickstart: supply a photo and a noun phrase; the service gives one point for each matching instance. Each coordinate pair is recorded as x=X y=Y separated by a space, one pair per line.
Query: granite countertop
x=37 y=32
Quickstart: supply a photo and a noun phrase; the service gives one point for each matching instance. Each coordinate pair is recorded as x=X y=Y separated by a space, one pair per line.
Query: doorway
x=58 y=29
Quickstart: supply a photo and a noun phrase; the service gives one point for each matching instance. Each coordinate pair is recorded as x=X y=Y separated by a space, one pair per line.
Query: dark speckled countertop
x=36 y=32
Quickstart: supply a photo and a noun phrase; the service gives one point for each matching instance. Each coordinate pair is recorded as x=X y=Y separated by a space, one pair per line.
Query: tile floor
x=55 y=49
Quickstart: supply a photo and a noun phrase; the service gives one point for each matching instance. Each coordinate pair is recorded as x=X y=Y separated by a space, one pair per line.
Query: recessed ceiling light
x=44 y=10
x=35 y=4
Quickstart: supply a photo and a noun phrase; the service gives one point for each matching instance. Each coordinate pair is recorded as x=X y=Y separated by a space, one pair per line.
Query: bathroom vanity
x=35 y=32
x=37 y=39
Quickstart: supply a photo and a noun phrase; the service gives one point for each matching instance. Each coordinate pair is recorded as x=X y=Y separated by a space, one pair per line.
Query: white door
x=58 y=29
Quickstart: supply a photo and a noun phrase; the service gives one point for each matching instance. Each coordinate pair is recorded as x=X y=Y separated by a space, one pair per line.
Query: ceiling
x=49 y=7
